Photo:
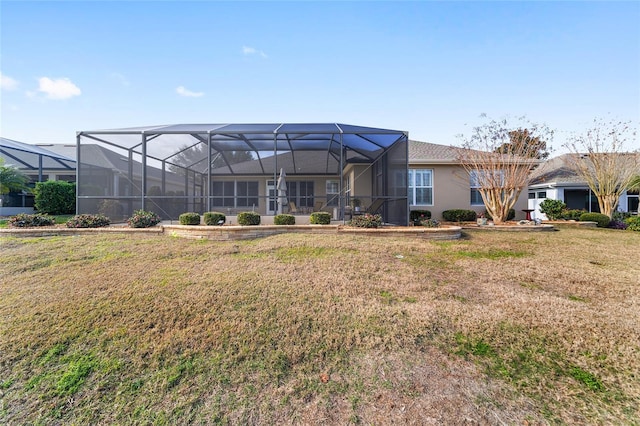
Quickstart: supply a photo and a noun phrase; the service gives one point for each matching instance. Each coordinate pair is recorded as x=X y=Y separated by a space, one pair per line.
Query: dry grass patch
x=300 y=329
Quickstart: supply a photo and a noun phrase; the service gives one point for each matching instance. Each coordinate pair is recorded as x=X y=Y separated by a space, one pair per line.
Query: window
x=421 y=187
x=234 y=194
x=333 y=192
x=486 y=178
x=476 y=198
x=247 y=194
x=532 y=195
x=300 y=192
x=542 y=194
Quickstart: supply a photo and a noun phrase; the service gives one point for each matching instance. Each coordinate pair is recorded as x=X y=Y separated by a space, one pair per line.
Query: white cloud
x=8 y=83
x=182 y=91
x=250 y=51
x=119 y=78
x=61 y=88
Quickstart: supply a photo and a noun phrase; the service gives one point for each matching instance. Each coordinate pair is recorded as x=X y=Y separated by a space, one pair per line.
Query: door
x=271 y=201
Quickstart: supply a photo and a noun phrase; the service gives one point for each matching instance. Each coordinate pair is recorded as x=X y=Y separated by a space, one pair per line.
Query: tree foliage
x=195 y=158
x=498 y=157
x=12 y=179
x=601 y=159
x=522 y=142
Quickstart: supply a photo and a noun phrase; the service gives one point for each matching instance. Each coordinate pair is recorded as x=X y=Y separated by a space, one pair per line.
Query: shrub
x=55 y=197
x=88 y=221
x=320 y=218
x=110 y=209
x=459 y=215
x=214 y=218
x=248 y=218
x=617 y=224
x=430 y=223
x=284 y=219
x=572 y=214
x=416 y=216
x=189 y=218
x=366 y=221
x=510 y=215
x=143 y=219
x=24 y=220
x=621 y=216
x=552 y=208
x=633 y=223
x=601 y=219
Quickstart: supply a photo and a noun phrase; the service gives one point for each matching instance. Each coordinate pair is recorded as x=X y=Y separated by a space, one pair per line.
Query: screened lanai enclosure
x=233 y=168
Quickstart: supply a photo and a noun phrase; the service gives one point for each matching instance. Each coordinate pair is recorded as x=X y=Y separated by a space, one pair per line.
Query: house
x=438 y=182
x=554 y=179
x=372 y=165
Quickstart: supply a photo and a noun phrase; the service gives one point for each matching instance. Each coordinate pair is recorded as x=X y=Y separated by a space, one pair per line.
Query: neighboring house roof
x=555 y=171
x=99 y=156
x=30 y=157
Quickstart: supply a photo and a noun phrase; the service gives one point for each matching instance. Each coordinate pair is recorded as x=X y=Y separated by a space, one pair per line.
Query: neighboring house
x=555 y=180
x=39 y=164
x=438 y=182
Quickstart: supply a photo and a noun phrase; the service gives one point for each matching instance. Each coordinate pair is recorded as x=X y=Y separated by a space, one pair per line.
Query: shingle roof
x=425 y=152
x=555 y=170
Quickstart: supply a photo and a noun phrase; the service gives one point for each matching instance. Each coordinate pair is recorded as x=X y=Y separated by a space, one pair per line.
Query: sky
x=425 y=67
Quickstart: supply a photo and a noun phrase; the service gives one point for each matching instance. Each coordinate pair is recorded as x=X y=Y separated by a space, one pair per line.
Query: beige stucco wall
x=451 y=190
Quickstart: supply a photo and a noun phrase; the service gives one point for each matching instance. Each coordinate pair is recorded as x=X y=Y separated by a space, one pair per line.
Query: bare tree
x=600 y=158
x=499 y=158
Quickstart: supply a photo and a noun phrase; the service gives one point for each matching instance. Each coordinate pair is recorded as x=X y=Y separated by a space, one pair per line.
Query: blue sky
x=430 y=68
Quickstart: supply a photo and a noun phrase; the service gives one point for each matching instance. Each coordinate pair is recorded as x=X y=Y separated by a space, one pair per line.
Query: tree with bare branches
x=499 y=157
x=601 y=159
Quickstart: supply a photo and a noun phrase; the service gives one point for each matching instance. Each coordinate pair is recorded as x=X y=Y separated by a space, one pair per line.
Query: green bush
x=459 y=215
x=510 y=215
x=110 y=209
x=88 y=221
x=621 y=216
x=143 y=219
x=572 y=214
x=416 y=216
x=633 y=223
x=189 y=218
x=552 y=208
x=284 y=219
x=601 y=219
x=55 y=197
x=320 y=218
x=214 y=218
x=248 y=218
x=366 y=221
x=24 y=220
x=430 y=223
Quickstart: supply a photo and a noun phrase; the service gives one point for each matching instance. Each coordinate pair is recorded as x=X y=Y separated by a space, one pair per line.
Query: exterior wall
x=452 y=190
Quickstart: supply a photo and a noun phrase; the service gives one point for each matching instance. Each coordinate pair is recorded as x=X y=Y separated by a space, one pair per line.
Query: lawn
x=496 y=328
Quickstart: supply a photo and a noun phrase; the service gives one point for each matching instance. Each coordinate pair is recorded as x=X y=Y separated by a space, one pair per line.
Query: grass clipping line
x=299 y=329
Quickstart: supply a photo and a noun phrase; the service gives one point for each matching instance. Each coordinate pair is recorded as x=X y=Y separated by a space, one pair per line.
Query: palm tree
x=12 y=179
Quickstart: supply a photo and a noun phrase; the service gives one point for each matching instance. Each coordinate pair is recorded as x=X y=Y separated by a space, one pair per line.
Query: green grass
x=106 y=329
